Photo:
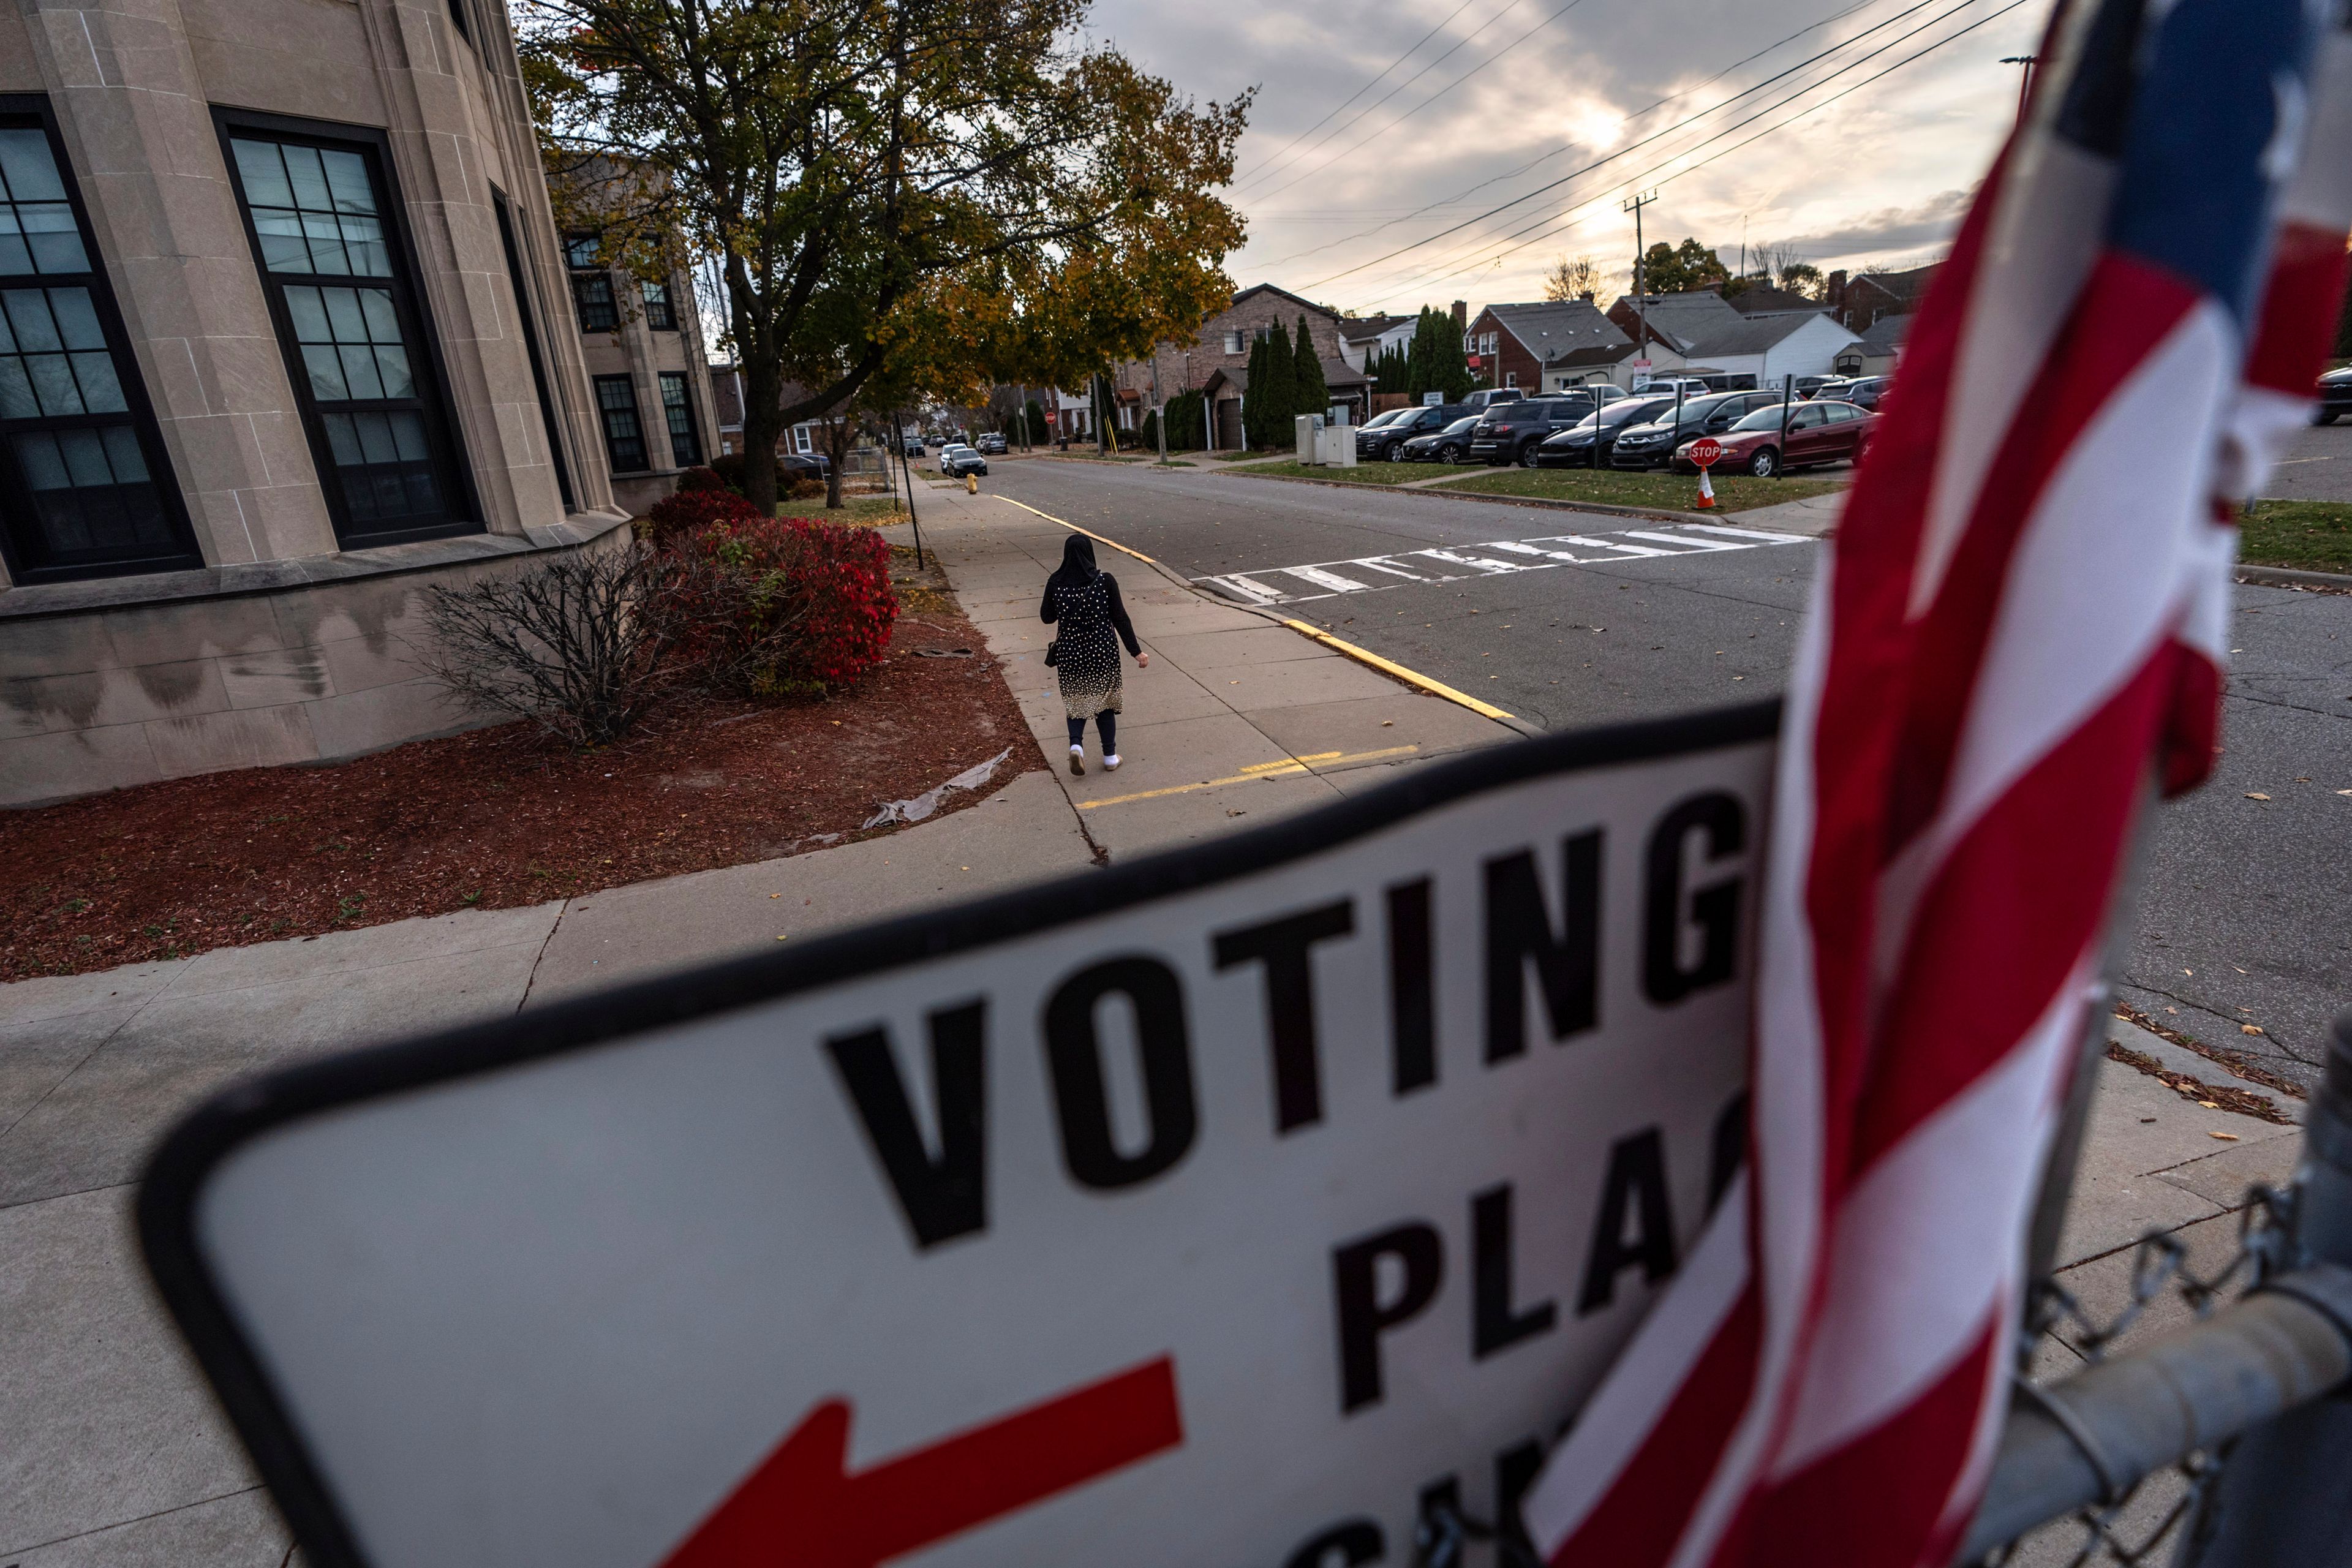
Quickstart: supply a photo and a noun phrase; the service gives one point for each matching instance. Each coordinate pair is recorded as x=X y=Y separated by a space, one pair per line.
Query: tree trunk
x=836 y=442
x=762 y=424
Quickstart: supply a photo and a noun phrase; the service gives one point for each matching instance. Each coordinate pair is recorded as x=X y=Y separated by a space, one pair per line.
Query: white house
x=1771 y=348
x=1363 y=339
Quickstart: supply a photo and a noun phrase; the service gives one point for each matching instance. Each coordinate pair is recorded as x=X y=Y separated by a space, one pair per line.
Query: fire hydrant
x=971 y=484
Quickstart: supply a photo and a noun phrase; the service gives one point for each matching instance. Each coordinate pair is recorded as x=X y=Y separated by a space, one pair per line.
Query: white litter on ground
x=923 y=805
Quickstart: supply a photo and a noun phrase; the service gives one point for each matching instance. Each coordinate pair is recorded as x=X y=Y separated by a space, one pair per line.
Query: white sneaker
x=1111 y=765
x=1078 y=760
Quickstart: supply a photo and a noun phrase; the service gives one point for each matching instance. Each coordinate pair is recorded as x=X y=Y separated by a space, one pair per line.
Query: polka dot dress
x=1089 y=659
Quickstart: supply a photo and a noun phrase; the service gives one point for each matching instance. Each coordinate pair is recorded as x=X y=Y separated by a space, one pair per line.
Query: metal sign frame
x=176 y=1175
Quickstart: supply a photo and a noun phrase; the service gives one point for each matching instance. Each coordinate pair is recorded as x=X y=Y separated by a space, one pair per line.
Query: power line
x=1359 y=92
x=1457 y=198
x=1565 y=222
x=1424 y=103
x=1858 y=61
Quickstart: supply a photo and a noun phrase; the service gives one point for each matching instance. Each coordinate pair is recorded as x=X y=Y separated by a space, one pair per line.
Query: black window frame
x=691 y=458
x=648 y=293
x=526 y=315
x=33 y=110
x=604 y=422
x=427 y=369
x=586 y=279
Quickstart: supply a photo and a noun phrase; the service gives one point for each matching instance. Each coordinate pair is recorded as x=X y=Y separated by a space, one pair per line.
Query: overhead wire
x=1482 y=244
x=1424 y=103
x=1359 y=92
x=1570 y=146
x=1567 y=220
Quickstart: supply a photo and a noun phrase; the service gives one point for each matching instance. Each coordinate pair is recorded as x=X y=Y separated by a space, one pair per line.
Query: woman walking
x=1083 y=600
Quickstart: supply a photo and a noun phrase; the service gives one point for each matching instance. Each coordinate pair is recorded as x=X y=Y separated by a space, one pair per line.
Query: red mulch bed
x=497 y=817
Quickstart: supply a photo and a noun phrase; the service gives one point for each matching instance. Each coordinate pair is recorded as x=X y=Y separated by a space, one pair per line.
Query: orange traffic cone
x=1705 y=492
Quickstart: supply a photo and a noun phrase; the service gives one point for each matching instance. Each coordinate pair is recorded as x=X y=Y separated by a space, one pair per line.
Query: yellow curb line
x=1410 y=677
x=1073 y=528
x=1361 y=656
x=1254 y=772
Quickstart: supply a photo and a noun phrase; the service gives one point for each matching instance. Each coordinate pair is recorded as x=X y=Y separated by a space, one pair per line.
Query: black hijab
x=1077 y=568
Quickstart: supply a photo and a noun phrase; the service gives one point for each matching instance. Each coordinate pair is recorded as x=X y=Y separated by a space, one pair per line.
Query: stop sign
x=1706 y=451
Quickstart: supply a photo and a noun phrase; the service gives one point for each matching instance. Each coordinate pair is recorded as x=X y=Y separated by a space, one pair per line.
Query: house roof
x=1753 y=335
x=1557 y=328
x=1360 y=329
x=1677 y=321
x=1760 y=297
x=1337 y=374
x=1906 y=285
x=1884 y=335
x=1598 y=355
x=1323 y=311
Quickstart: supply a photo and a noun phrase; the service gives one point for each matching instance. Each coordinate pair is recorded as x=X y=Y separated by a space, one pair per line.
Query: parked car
x=1690 y=386
x=1862 y=391
x=1594 y=395
x=956 y=460
x=1488 y=396
x=1653 y=446
x=1449 y=444
x=991 y=444
x=1386 y=442
x=1821 y=431
x=1587 y=442
x=1811 y=385
x=801 y=465
x=2335 y=396
x=1510 y=432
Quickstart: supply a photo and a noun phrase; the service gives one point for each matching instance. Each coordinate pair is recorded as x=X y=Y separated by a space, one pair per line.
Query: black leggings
x=1106 y=723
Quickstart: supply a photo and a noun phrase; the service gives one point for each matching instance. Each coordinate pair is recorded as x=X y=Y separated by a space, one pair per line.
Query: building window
x=87 y=486
x=1510 y=378
x=624 y=438
x=527 y=313
x=457 y=16
x=659 y=316
x=677 y=407
x=354 y=334
x=1236 y=341
x=801 y=439
x=591 y=285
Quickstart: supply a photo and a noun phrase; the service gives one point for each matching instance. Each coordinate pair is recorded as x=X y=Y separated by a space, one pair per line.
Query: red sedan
x=1818 y=432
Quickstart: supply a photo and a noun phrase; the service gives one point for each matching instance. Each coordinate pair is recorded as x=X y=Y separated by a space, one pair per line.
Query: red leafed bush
x=674 y=516
x=784 y=605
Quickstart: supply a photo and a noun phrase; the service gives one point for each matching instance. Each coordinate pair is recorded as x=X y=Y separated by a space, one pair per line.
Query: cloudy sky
x=1381 y=123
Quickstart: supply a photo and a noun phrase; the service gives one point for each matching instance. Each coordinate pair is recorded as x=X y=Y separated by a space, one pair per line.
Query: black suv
x=1587 y=442
x=1510 y=432
x=1652 y=446
x=1383 y=443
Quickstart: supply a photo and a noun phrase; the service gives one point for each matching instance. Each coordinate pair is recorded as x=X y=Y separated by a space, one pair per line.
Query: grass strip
x=2306 y=535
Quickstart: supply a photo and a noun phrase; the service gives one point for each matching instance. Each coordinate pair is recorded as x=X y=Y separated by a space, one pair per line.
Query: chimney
x=1461 y=314
x=1586 y=295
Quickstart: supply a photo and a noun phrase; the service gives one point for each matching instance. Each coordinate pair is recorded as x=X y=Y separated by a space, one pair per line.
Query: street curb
x=2293 y=577
x=1395 y=672
x=1661 y=514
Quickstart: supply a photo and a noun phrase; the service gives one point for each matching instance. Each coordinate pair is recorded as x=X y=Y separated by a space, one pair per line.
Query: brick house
x=1859 y=301
x=1516 y=345
x=1223 y=342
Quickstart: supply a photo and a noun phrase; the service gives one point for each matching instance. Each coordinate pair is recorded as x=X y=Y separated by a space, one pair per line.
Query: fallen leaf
x=2224 y=1137
x=2210 y=1104
x=2249 y=1028
x=2256 y=794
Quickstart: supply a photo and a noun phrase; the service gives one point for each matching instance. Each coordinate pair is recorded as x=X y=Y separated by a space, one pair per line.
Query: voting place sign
x=1220 y=1208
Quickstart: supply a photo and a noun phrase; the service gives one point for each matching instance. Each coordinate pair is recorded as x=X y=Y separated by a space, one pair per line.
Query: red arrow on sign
x=802 y=1507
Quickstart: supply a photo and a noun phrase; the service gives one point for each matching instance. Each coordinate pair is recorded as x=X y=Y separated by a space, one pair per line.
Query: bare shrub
x=581 y=646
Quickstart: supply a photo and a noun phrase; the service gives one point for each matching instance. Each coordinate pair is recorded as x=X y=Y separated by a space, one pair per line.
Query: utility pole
x=2025 y=87
x=1640 y=294
x=1159 y=409
x=1021 y=418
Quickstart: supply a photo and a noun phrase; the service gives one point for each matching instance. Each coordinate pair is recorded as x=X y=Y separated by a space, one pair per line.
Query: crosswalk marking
x=1329 y=579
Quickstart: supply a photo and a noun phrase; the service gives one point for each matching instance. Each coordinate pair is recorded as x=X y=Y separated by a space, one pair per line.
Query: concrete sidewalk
x=1238 y=718
x=116 y=1455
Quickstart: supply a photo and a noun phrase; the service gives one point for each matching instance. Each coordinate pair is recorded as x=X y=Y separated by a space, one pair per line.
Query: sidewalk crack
x=540 y=956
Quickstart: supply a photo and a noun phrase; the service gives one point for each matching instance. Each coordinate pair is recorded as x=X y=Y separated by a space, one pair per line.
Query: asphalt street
x=2246 y=904
x=2317 y=464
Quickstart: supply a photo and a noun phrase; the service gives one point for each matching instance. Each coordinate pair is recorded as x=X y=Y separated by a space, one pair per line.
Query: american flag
x=2019 y=629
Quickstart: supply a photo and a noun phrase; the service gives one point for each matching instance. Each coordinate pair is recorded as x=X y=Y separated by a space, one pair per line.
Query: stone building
x=647 y=368
x=1224 y=344
x=287 y=341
